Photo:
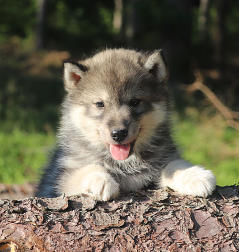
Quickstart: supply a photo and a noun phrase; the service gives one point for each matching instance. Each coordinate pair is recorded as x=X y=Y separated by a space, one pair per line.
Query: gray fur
x=121 y=75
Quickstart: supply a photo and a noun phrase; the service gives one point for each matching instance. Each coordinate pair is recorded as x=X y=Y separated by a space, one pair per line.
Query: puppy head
x=117 y=99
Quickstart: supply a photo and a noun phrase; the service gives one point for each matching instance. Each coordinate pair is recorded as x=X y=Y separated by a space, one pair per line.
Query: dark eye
x=134 y=102
x=100 y=104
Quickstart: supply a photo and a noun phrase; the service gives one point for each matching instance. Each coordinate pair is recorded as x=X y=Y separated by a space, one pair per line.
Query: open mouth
x=121 y=151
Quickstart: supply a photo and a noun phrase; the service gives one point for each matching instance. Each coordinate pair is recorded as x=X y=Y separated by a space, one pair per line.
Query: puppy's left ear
x=156 y=65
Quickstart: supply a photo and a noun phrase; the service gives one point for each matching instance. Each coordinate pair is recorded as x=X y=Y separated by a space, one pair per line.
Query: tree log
x=145 y=221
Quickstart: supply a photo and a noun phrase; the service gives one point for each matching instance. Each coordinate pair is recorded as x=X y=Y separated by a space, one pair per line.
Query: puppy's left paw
x=191 y=180
x=197 y=181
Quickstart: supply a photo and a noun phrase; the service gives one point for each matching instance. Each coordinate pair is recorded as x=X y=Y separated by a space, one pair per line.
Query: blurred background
x=200 y=39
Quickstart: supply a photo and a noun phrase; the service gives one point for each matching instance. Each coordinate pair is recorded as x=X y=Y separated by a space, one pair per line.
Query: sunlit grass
x=22 y=155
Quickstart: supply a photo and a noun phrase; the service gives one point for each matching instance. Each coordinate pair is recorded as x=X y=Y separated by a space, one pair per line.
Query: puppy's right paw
x=100 y=185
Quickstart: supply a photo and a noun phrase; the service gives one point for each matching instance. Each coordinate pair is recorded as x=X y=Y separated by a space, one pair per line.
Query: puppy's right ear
x=156 y=65
x=73 y=73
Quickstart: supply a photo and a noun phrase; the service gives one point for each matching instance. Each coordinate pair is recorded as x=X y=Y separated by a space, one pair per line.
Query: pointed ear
x=156 y=65
x=73 y=73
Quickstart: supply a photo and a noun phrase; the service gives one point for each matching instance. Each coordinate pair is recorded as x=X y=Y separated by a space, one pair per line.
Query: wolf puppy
x=115 y=134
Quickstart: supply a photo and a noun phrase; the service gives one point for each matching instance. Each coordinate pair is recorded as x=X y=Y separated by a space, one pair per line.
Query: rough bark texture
x=146 y=221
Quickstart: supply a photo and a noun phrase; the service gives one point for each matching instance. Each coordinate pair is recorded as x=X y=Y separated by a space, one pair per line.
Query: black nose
x=119 y=135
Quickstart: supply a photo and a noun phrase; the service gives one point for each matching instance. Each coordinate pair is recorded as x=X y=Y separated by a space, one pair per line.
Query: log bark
x=145 y=221
x=40 y=20
x=118 y=16
x=203 y=19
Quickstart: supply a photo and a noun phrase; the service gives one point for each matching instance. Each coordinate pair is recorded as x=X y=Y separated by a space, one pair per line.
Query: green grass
x=22 y=155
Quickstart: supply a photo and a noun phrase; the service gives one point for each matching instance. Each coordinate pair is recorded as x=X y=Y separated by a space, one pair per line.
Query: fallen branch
x=231 y=117
x=146 y=221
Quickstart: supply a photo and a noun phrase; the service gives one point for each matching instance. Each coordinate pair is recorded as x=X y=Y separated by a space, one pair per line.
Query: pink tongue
x=120 y=151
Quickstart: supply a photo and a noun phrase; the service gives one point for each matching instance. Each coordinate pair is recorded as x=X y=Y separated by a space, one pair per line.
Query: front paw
x=197 y=181
x=100 y=185
x=187 y=179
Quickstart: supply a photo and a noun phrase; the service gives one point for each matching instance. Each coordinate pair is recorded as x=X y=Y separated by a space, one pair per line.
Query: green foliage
x=74 y=25
x=17 y=18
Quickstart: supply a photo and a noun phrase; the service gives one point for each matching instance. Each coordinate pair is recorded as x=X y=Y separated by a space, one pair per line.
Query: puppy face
x=117 y=99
